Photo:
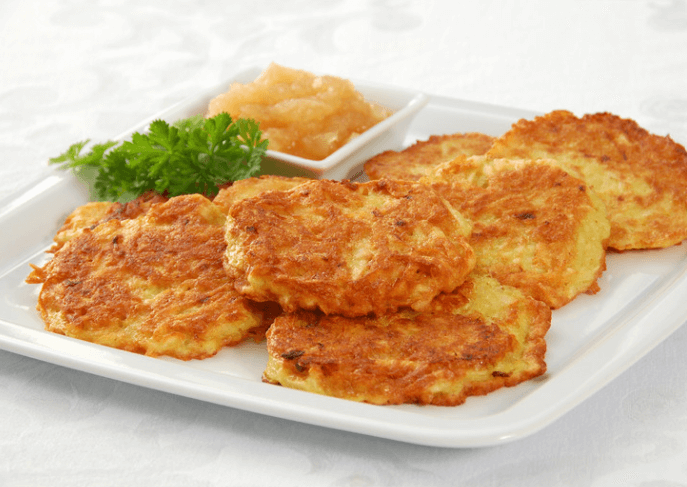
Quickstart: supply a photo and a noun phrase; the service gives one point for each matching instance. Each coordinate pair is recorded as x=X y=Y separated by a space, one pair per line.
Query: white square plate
x=591 y=341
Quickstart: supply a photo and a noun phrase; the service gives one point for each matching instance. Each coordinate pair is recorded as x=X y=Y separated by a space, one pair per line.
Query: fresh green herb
x=193 y=155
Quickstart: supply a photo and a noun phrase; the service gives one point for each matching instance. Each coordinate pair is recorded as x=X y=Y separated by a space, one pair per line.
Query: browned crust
x=153 y=285
x=93 y=213
x=249 y=187
x=347 y=248
x=535 y=227
x=439 y=357
x=615 y=156
x=417 y=160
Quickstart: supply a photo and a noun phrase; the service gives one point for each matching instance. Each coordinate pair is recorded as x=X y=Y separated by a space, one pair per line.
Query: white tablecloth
x=76 y=69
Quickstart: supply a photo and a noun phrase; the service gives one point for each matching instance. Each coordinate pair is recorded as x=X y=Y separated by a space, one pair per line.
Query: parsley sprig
x=193 y=155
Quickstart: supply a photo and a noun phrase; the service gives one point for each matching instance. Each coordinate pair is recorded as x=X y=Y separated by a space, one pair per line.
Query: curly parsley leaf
x=193 y=155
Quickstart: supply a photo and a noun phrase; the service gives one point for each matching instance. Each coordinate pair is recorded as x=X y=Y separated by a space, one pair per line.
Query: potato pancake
x=95 y=212
x=249 y=187
x=422 y=157
x=347 y=248
x=82 y=217
x=153 y=284
x=535 y=227
x=480 y=338
x=641 y=177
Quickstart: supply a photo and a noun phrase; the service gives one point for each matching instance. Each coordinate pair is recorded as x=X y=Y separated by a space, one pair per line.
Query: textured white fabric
x=76 y=69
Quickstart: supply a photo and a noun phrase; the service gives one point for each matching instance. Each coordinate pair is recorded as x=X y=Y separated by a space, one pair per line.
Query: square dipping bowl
x=346 y=162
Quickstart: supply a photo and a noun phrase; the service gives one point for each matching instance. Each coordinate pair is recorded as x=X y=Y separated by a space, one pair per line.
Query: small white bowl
x=347 y=161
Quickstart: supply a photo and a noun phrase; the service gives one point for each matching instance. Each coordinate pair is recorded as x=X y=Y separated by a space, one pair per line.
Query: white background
x=76 y=69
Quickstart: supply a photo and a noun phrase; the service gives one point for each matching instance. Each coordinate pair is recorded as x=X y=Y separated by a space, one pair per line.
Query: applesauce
x=300 y=113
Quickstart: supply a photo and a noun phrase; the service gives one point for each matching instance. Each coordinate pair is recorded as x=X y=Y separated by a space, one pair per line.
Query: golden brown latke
x=249 y=187
x=480 y=338
x=96 y=212
x=153 y=284
x=422 y=157
x=347 y=248
x=641 y=177
x=535 y=227
x=82 y=217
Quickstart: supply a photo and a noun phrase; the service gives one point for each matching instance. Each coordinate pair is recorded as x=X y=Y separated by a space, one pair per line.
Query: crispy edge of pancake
x=348 y=248
x=153 y=285
x=95 y=212
x=535 y=226
x=82 y=217
x=641 y=177
x=417 y=160
x=480 y=338
x=249 y=187
x=91 y=214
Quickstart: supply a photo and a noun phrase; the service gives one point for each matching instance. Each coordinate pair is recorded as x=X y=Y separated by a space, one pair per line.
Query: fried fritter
x=95 y=212
x=82 y=217
x=422 y=157
x=535 y=227
x=641 y=177
x=153 y=284
x=480 y=338
x=249 y=187
x=347 y=248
